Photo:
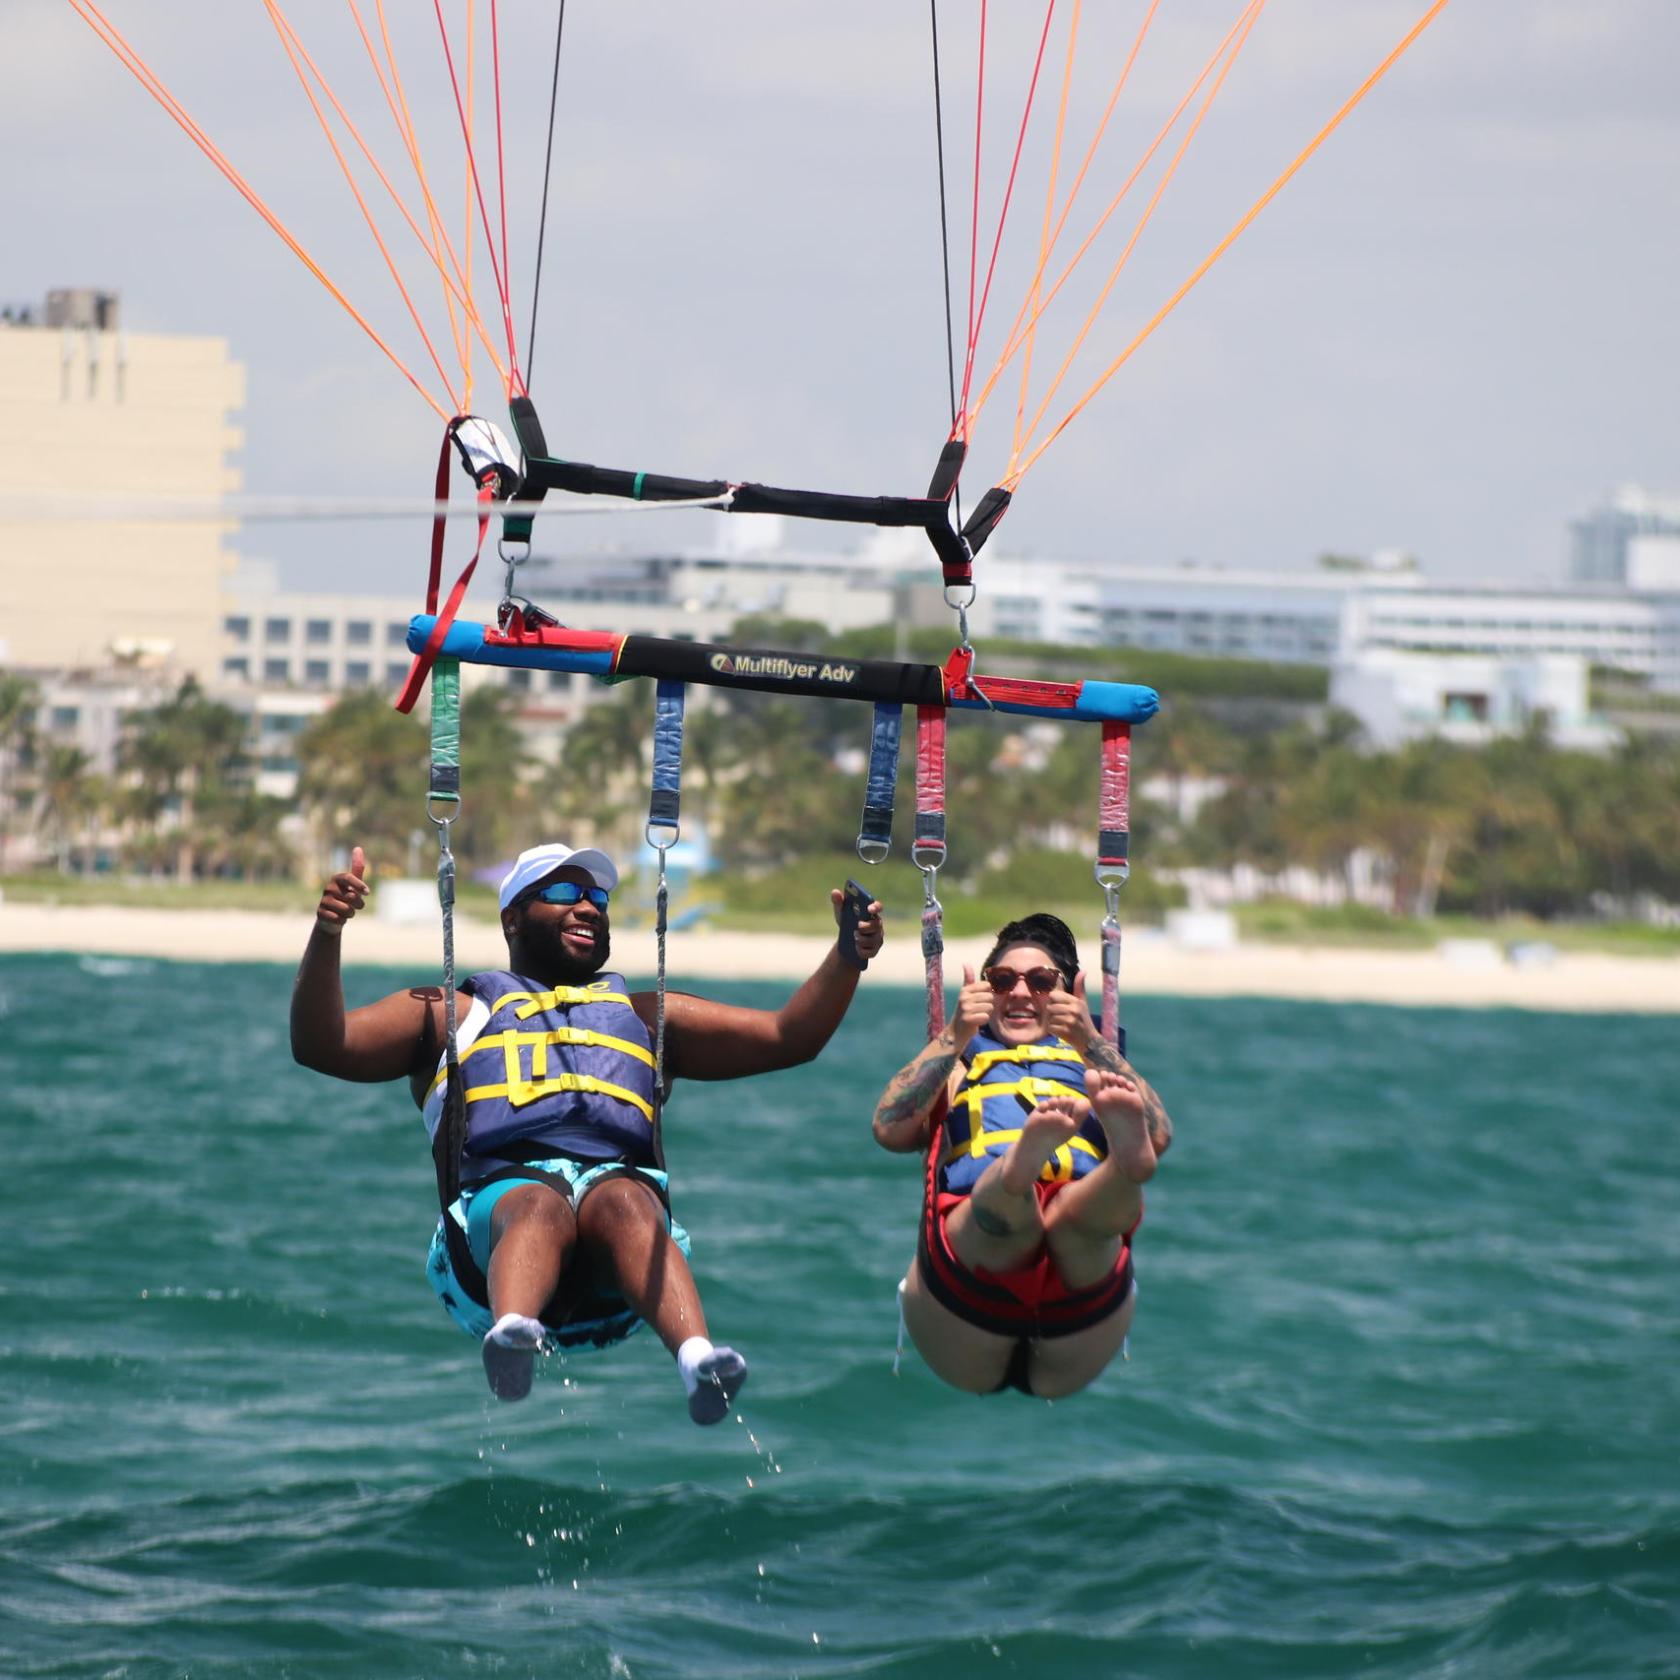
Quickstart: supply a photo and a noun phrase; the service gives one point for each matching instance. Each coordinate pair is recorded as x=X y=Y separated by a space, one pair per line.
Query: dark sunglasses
x=569 y=892
x=1039 y=980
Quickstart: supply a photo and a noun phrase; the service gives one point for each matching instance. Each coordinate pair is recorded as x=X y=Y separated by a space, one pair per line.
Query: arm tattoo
x=913 y=1090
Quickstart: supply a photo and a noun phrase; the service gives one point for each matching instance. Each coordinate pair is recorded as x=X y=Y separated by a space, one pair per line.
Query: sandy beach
x=1464 y=974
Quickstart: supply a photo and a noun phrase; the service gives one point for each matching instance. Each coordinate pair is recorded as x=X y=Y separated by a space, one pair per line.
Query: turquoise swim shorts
x=603 y=1319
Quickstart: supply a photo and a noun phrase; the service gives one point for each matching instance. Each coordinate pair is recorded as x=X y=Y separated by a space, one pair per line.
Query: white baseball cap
x=539 y=862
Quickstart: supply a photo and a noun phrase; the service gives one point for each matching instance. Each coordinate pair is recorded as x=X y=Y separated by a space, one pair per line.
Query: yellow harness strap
x=510 y=1042
x=521 y=1091
x=1059 y=1168
x=535 y=1003
x=988 y=1059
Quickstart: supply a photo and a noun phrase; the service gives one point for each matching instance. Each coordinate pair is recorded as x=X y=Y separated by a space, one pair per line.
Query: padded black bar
x=768 y=671
x=944 y=479
x=981 y=523
x=517 y=527
x=931 y=512
x=528 y=428
x=584 y=480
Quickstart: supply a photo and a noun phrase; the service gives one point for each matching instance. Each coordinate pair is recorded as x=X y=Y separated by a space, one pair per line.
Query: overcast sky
x=1452 y=332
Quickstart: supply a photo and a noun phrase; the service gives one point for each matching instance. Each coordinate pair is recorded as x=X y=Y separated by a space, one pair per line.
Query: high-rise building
x=90 y=413
x=1633 y=538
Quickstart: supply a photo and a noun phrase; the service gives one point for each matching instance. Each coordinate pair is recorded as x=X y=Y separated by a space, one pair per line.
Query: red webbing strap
x=427 y=656
x=930 y=1166
x=440 y=494
x=1114 y=824
x=927 y=852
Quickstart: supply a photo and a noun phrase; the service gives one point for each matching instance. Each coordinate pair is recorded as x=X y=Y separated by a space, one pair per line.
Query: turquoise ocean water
x=1402 y=1399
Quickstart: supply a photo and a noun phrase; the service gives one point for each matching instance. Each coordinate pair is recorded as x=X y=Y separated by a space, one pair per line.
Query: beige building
x=89 y=414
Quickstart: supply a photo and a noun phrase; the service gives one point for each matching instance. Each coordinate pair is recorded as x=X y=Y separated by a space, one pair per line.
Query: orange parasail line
x=475 y=188
x=1250 y=18
x=403 y=117
x=977 y=317
x=113 y=38
x=1231 y=238
x=1044 y=235
x=292 y=48
x=1013 y=343
x=430 y=245
x=501 y=162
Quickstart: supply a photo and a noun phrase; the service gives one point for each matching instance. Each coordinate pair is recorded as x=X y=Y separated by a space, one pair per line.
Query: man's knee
x=537 y=1206
x=617 y=1203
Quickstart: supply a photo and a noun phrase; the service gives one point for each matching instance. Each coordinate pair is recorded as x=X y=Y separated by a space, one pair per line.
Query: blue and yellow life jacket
x=1002 y=1086
x=569 y=1067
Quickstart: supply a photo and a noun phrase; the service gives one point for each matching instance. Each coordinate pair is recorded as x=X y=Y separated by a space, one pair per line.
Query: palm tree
x=600 y=780
x=182 y=757
x=246 y=836
x=498 y=802
x=362 y=777
x=19 y=699
x=67 y=796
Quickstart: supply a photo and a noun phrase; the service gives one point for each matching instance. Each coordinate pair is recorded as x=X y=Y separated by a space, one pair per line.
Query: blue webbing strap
x=664 y=807
x=874 y=839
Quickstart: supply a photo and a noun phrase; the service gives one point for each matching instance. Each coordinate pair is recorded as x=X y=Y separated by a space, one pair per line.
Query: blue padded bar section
x=465 y=641
x=1098 y=702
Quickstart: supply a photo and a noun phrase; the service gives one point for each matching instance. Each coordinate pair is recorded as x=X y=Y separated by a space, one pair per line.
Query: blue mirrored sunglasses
x=569 y=892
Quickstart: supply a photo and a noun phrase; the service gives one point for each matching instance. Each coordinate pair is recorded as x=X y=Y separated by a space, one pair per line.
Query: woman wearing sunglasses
x=1039 y=1137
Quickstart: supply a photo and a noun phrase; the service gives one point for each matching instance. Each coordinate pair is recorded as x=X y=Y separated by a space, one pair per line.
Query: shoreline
x=1466 y=974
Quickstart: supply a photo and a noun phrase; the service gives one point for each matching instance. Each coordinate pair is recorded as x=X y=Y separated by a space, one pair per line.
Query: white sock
x=515 y=1330
x=713 y=1377
x=689 y=1355
x=510 y=1355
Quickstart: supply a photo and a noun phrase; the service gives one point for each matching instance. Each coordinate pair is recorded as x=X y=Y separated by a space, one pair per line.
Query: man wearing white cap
x=562 y=1234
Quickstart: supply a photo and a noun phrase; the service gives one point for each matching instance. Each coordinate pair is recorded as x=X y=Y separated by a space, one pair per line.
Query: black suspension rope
x=944 y=234
x=548 y=164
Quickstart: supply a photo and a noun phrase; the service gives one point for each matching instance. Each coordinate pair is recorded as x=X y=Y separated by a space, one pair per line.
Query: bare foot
x=1043 y=1132
x=1119 y=1107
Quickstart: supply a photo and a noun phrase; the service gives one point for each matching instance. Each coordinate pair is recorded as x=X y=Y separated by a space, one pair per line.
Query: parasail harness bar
x=543 y=646
x=956 y=548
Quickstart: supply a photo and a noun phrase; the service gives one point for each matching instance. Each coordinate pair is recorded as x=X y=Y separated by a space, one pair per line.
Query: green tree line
x=1265 y=776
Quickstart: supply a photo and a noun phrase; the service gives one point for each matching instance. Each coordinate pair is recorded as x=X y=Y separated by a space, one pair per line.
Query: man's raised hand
x=344 y=894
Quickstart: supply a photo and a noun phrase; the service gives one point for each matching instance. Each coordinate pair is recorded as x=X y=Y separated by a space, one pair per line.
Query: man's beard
x=558 y=962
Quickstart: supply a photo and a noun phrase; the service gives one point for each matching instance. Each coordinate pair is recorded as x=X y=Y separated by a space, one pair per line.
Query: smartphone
x=853 y=907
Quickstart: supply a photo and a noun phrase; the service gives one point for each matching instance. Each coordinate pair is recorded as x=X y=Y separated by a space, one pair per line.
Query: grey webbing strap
x=1112 y=866
x=664 y=830
x=443 y=806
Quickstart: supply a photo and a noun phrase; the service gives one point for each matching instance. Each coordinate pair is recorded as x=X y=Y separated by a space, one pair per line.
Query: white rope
x=229 y=510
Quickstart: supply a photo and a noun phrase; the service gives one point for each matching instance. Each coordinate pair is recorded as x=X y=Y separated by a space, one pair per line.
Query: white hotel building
x=1407 y=655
